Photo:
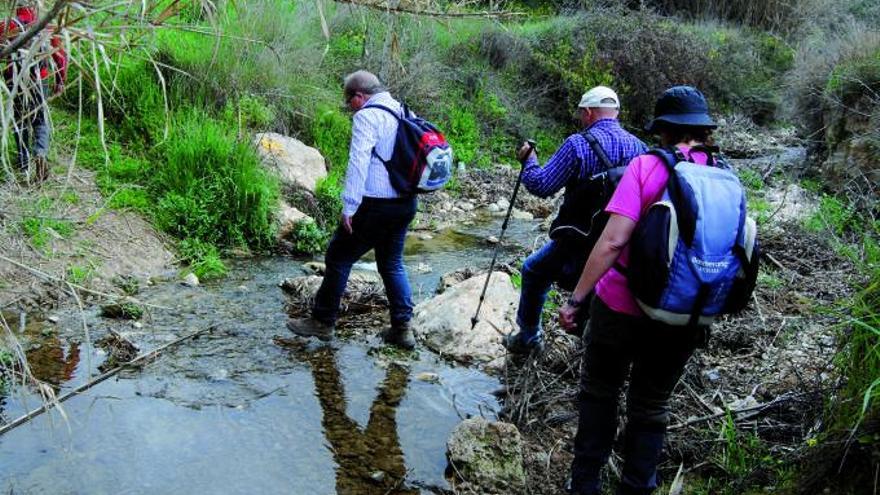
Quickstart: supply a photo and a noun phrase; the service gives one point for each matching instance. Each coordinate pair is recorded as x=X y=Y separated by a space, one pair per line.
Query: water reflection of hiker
x=370 y=460
x=374 y=216
x=621 y=340
x=573 y=166
x=27 y=75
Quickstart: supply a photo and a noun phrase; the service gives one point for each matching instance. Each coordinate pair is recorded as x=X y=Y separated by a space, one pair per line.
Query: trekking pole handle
x=532 y=145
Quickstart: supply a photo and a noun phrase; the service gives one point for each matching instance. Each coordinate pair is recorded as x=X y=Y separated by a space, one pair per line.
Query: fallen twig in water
x=82 y=388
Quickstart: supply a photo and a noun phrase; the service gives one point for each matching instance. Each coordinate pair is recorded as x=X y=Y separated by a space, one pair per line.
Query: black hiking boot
x=310 y=327
x=515 y=344
x=400 y=335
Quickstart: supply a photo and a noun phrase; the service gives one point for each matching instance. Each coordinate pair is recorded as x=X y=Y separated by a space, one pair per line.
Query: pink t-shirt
x=642 y=185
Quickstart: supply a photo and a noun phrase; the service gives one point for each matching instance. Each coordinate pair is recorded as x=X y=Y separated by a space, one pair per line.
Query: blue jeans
x=653 y=355
x=31 y=128
x=378 y=224
x=554 y=262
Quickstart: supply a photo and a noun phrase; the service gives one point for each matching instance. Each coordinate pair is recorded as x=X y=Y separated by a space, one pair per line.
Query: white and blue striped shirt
x=366 y=174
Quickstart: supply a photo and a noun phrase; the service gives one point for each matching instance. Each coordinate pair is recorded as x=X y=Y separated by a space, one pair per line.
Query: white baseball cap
x=600 y=97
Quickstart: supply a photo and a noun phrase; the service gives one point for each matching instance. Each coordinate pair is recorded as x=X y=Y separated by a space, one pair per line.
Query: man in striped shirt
x=374 y=216
x=562 y=259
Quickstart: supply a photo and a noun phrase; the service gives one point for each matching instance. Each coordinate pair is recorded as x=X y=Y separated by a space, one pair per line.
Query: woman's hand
x=568 y=316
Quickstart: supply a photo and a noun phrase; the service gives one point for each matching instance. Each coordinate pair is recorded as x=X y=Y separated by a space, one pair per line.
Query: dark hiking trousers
x=653 y=355
x=554 y=262
x=378 y=224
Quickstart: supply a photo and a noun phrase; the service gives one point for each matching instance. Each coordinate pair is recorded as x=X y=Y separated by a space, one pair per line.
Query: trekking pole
x=522 y=169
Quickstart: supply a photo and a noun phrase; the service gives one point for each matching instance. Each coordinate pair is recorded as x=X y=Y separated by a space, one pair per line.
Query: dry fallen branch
x=59 y=280
x=398 y=9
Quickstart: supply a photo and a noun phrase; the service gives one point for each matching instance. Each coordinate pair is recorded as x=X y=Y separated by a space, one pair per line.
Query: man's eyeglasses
x=350 y=97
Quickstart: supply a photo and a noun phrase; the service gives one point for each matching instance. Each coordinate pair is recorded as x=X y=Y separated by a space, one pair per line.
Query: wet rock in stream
x=486 y=457
x=119 y=350
x=449 y=332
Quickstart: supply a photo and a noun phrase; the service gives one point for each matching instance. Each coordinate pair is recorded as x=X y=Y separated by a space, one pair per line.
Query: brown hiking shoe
x=400 y=335
x=310 y=327
x=41 y=166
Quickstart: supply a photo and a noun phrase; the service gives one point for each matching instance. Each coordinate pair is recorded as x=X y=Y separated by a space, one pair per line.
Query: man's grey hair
x=362 y=81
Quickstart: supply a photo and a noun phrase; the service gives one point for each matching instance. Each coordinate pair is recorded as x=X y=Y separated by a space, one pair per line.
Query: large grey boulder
x=296 y=164
x=443 y=323
x=486 y=457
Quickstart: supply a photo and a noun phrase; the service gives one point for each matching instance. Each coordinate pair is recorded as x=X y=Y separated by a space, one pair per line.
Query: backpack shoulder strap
x=383 y=107
x=687 y=220
x=712 y=155
x=396 y=116
x=670 y=156
x=598 y=150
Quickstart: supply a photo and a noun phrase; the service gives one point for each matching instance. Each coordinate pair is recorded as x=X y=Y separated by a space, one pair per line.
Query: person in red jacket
x=27 y=74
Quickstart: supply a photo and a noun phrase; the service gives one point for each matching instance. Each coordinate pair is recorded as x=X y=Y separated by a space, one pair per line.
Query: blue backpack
x=422 y=159
x=694 y=254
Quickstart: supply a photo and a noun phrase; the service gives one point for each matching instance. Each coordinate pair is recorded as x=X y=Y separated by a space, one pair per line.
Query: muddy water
x=235 y=412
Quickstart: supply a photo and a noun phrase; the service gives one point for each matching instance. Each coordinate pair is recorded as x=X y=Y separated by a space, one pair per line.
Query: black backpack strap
x=598 y=150
x=396 y=116
x=383 y=107
x=687 y=222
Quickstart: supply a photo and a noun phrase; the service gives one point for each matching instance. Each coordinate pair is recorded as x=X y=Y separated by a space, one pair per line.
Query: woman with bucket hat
x=621 y=341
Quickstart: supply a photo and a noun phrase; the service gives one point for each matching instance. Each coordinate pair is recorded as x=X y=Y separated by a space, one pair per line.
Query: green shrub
x=203 y=258
x=777 y=15
x=308 y=238
x=830 y=76
x=751 y=179
x=836 y=216
x=462 y=132
x=39 y=230
x=328 y=192
x=249 y=112
x=79 y=274
x=212 y=187
x=135 y=102
x=331 y=132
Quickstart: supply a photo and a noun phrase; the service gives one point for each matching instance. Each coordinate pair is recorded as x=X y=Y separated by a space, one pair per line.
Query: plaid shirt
x=575 y=158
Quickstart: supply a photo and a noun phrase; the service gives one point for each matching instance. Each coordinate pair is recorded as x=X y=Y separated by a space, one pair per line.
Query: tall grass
x=212 y=187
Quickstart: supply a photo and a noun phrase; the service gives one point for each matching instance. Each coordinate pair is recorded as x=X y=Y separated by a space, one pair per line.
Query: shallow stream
x=232 y=411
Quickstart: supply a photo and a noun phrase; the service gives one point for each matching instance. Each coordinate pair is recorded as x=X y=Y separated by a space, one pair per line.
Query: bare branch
x=385 y=7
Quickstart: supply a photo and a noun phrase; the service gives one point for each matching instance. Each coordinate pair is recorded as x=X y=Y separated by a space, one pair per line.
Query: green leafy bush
x=203 y=258
x=331 y=132
x=212 y=187
x=39 y=230
x=309 y=238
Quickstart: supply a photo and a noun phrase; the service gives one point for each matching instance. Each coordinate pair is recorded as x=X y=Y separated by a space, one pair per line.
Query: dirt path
x=63 y=229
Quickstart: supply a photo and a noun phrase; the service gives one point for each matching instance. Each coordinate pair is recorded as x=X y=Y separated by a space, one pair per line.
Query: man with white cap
x=578 y=166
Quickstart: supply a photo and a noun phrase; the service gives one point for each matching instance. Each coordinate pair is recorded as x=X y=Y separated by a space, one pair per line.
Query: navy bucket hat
x=681 y=106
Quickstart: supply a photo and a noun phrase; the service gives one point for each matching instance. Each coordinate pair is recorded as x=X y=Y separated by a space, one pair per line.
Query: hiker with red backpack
x=27 y=74
x=379 y=202
x=677 y=251
x=582 y=166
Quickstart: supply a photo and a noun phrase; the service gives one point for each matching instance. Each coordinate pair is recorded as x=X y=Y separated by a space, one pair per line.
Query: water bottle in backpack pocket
x=694 y=254
x=422 y=158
